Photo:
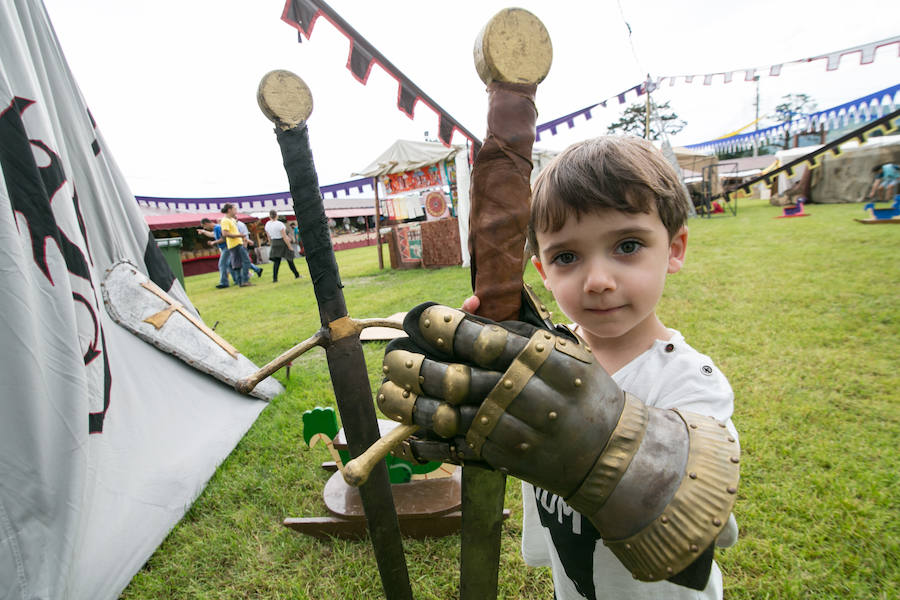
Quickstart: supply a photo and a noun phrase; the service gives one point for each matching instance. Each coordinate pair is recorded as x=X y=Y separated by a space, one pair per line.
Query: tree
x=633 y=118
x=791 y=107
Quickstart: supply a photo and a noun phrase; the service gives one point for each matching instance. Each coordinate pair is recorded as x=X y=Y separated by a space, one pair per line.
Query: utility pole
x=647 y=110
x=756 y=123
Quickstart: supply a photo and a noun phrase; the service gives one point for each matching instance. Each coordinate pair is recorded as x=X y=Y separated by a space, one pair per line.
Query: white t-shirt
x=275 y=229
x=670 y=374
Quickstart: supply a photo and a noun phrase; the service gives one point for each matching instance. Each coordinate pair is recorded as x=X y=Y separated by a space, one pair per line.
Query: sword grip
x=356 y=472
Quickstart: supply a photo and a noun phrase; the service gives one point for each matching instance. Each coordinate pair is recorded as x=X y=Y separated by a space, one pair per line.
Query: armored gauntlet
x=657 y=484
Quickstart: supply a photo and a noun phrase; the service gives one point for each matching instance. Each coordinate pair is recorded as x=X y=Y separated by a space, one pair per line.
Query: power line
x=630 y=39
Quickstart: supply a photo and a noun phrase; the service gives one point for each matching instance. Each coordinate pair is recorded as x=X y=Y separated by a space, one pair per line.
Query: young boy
x=641 y=449
x=607 y=226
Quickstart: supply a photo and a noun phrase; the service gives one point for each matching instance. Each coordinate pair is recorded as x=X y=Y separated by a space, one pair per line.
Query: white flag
x=104 y=439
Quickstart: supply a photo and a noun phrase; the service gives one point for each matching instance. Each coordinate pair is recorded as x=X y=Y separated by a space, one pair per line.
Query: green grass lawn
x=801 y=314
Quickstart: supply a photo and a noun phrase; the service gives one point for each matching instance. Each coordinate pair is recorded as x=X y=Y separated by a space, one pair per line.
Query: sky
x=172 y=83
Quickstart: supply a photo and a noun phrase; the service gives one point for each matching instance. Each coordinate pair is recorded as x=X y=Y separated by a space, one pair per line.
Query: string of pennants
x=862 y=109
x=259 y=202
x=833 y=60
x=302 y=15
x=856 y=111
x=886 y=124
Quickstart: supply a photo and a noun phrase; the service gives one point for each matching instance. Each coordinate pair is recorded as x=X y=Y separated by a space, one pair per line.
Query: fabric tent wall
x=100 y=456
x=693 y=160
x=463 y=181
x=846 y=177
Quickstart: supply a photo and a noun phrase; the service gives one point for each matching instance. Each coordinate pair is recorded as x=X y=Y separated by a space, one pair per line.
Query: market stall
x=197 y=256
x=418 y=201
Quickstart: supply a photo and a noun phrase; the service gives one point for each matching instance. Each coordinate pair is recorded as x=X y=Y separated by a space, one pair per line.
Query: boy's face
x=607 y=272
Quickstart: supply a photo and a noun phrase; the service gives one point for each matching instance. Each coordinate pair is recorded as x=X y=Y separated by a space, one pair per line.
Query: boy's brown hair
x=623 y=173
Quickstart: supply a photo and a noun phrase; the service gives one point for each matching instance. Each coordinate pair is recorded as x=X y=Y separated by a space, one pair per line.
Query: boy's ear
x=540 y=269
x=677 y=250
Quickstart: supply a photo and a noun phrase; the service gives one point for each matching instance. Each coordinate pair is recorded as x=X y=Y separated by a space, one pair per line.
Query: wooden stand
x=425 y=507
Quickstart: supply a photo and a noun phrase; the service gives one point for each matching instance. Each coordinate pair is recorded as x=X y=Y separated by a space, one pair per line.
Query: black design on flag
x=32 y=189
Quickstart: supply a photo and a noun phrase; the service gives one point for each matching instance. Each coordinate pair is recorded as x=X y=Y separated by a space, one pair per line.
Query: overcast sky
x=172 y=84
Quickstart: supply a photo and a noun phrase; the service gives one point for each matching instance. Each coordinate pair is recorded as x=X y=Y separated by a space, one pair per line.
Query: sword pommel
x=284 y=98
x=514 y=47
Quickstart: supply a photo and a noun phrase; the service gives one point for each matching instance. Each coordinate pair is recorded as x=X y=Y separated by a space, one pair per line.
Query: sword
x=286 y=100
x=512 y=55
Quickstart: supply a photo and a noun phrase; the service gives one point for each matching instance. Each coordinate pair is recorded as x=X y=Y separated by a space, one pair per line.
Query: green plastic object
x=171 y=250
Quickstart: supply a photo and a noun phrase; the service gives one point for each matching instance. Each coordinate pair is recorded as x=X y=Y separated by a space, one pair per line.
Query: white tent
x=691 y=160
x=407 y=155
x=105 y=441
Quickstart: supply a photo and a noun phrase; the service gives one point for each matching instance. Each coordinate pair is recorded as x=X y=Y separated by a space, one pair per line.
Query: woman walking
x=281 y=245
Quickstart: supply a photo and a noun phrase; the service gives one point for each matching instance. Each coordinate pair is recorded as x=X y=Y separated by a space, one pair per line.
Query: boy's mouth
x=603 y=311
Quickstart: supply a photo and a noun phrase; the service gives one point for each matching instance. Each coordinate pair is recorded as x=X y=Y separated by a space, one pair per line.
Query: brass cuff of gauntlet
x=698 y=511
x=612 y=463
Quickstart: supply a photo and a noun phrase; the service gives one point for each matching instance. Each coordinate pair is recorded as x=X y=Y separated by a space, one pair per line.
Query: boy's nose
x=599 y=279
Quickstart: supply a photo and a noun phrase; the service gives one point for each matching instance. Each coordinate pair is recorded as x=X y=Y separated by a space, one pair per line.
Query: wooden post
x=378 y=221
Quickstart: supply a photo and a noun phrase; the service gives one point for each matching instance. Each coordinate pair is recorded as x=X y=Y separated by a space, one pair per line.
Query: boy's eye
x=564 y=258
x=629 y=247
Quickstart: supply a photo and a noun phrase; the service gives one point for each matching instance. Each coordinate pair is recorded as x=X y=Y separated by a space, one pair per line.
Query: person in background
x=281 y=245
x=237 y=253
x=248 y=243
x=213 y=230
x=296 y=229
x=884 y=186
